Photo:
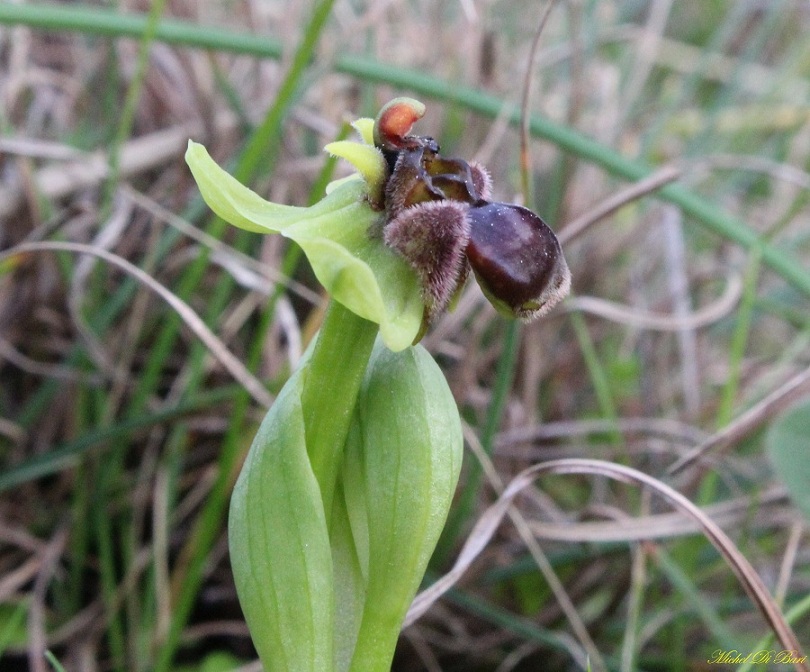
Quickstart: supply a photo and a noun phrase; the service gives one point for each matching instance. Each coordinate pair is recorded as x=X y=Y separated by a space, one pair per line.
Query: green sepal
x=337 y=235
x=279 y=544
x=402 y=463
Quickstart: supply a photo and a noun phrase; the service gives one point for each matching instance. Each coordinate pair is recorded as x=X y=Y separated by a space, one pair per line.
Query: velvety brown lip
x=513 y=251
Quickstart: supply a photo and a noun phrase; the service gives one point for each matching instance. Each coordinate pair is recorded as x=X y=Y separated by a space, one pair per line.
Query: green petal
x=365 y=127
x=368 y=161
x=358 y=270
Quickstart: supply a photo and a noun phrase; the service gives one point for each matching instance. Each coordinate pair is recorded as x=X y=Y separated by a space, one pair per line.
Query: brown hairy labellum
x=440 y=219
x=433 y=236
x=517 y=259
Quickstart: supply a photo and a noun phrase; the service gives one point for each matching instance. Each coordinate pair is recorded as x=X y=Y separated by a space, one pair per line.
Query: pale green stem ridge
x=331 y=382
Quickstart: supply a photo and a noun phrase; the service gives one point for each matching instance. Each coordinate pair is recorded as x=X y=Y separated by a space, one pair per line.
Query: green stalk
x=127 y=118
x=110 y=23
x=57 y=666
x=333 y=377
x=798 y=611
x=69 y=454
x=599 y=377
x=103 y=532
x=503 y=384
x=728 y=395
x=739 y=340
x=14 y=623
x=260 y=151
x=684 y=581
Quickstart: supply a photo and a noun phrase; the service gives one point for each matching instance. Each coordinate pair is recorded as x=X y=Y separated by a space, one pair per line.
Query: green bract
x=336 y=234
x=279 y=544
x=402 y=462
x=309 y=611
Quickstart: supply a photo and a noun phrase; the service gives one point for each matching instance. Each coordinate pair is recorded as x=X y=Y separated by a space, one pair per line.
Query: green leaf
x=401 y=468
x=787 y=445
x=337 y=235
x=279 y=545
x=350 y=580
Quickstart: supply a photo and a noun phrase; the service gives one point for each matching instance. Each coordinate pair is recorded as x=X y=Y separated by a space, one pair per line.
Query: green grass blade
x=110 y=23
x=68 y=454
x=130 y=105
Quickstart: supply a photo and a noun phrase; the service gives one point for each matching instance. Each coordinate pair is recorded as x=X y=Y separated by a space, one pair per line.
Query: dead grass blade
x=35 y=368
x=246 y=270
x=217 y=348
x=670 y=429
x=491 y=519
x=587 y=649
x=748 y=421
x=641 y=319
x=773 y=511
x=525 y=163
x=138 y=155
x=36 y=613
x=579 y=225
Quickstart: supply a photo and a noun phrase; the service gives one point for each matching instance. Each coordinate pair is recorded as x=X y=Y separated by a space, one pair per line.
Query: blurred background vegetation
x=688 y=332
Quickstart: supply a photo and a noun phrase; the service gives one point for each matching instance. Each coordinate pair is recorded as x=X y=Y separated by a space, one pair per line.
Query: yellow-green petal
x=368 y=161
x=357 y=269
x=365 y=127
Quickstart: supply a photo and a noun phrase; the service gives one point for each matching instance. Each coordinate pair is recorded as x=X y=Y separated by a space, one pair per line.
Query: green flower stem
x=127 y=119
x=332 y=381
